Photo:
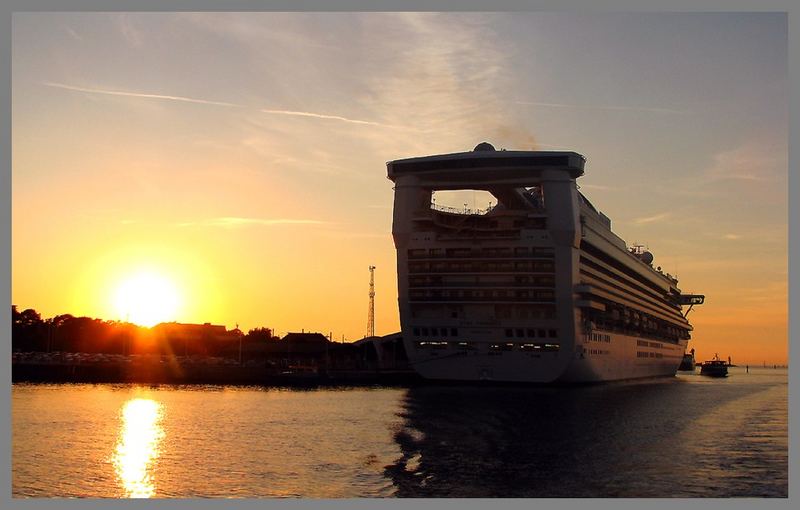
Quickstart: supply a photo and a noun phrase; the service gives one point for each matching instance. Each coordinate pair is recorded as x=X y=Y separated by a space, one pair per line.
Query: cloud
x=732 y=237
x=599 y=187
x=235 y=221
x=216 y=103
x=138 y=94
x=131 y=34
x=445 y=74
x=604 y=107
x=73 y=34
x=750 y=162
x=651 y=219
x=327 y=117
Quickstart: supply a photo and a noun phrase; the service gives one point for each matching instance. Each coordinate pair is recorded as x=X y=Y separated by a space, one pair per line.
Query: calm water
x=688 y=436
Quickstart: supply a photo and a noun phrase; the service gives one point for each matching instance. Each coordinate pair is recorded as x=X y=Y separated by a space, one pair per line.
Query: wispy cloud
x=323 y=116
x=138 y=94
x=732 y=237
x=215 y=103
x=751 y=162
x=126 y=27
x=599 y=187
x=235 y=221
x=651 y=219
x=604 y=107
x=449 y=81
x=73 y=34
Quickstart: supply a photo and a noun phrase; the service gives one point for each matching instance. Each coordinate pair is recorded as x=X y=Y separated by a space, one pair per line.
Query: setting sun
x=146 y=298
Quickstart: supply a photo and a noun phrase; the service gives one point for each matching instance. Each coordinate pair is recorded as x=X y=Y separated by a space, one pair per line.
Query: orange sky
x=242 y=157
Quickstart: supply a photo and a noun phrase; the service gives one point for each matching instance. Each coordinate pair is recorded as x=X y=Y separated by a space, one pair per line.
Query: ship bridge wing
x=691 y=299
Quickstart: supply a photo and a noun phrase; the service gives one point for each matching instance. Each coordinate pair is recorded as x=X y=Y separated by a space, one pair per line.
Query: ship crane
x=371 y=313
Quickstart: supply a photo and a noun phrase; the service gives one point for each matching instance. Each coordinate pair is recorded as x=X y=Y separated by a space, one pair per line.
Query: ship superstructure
x=536 y=288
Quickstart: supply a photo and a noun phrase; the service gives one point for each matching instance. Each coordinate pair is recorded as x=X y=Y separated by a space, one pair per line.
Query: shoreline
x=175 y=373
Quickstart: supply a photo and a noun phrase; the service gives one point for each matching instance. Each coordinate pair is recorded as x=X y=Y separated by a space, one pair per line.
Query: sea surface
x=687 y=436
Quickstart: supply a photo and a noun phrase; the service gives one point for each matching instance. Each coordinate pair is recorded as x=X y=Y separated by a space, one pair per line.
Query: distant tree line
x=67 y=333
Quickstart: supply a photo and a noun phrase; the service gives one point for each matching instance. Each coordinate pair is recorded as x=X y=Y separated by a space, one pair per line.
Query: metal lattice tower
x=371 y=314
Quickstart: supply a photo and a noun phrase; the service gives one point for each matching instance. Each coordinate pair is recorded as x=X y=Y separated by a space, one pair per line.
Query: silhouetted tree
x=259 y=335
x=28 y=331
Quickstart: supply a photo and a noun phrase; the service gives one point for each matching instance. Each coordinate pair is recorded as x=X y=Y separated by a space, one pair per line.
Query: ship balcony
x=489 y=220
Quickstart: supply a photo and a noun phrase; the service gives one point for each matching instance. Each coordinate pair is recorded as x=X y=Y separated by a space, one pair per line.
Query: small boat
x=687 y=363
x=714 y=368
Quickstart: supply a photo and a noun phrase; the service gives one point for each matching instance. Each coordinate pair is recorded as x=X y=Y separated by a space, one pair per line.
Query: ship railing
x=462 y=210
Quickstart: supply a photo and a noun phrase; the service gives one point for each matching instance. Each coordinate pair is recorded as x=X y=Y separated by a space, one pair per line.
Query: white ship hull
x=537 y=289
x=611 y=358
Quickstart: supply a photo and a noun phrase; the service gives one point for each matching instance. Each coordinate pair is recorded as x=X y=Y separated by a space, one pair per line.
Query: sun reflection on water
x=138 y=446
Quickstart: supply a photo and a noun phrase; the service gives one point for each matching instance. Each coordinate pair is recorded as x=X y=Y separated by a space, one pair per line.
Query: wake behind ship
x=534 y=289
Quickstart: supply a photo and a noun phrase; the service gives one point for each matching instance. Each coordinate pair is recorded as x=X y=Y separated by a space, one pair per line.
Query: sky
x=239 y=159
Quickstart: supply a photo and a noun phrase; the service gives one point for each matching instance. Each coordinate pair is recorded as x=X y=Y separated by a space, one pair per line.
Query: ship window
x=531 y=333
x=424 y=331
x=416 y=331
x=453 y=332
x=542 y=333
x=552 y=333
x=509 y=333
x=519 y=333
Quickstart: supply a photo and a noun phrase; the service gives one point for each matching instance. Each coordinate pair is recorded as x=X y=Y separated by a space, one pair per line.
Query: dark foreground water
x=688 y=436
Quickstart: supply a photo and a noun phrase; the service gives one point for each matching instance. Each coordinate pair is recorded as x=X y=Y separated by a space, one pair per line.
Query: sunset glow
x=262 y=200
x=146 y=298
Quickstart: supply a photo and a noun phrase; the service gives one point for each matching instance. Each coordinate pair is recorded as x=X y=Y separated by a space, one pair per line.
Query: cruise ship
x=536 y=288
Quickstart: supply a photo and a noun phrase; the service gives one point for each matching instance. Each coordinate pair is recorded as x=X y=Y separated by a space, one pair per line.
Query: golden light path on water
x=138 y=446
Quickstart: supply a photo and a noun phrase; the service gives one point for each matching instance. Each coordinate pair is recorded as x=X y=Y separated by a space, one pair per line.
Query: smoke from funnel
x=514 y=138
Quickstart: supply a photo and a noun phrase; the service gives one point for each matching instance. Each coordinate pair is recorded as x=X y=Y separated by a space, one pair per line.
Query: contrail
x=651 y=219
x=322 y=116
x=216 y=103
x=138 y=94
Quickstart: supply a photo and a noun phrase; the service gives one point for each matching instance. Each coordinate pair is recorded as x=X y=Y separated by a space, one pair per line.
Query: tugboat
x=714 y=368
x=687 y=363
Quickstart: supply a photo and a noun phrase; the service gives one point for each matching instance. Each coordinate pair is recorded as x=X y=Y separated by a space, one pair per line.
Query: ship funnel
x=483 y=146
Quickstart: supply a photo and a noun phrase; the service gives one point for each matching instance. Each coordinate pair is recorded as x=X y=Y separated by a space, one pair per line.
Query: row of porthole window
x=531 y=333
x=504 y=346
x=435 y=331
x=642 y=354
x=645 y=343
x=490 y=252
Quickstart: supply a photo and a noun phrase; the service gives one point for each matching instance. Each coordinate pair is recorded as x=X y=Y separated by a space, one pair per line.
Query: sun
x=146 y=298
